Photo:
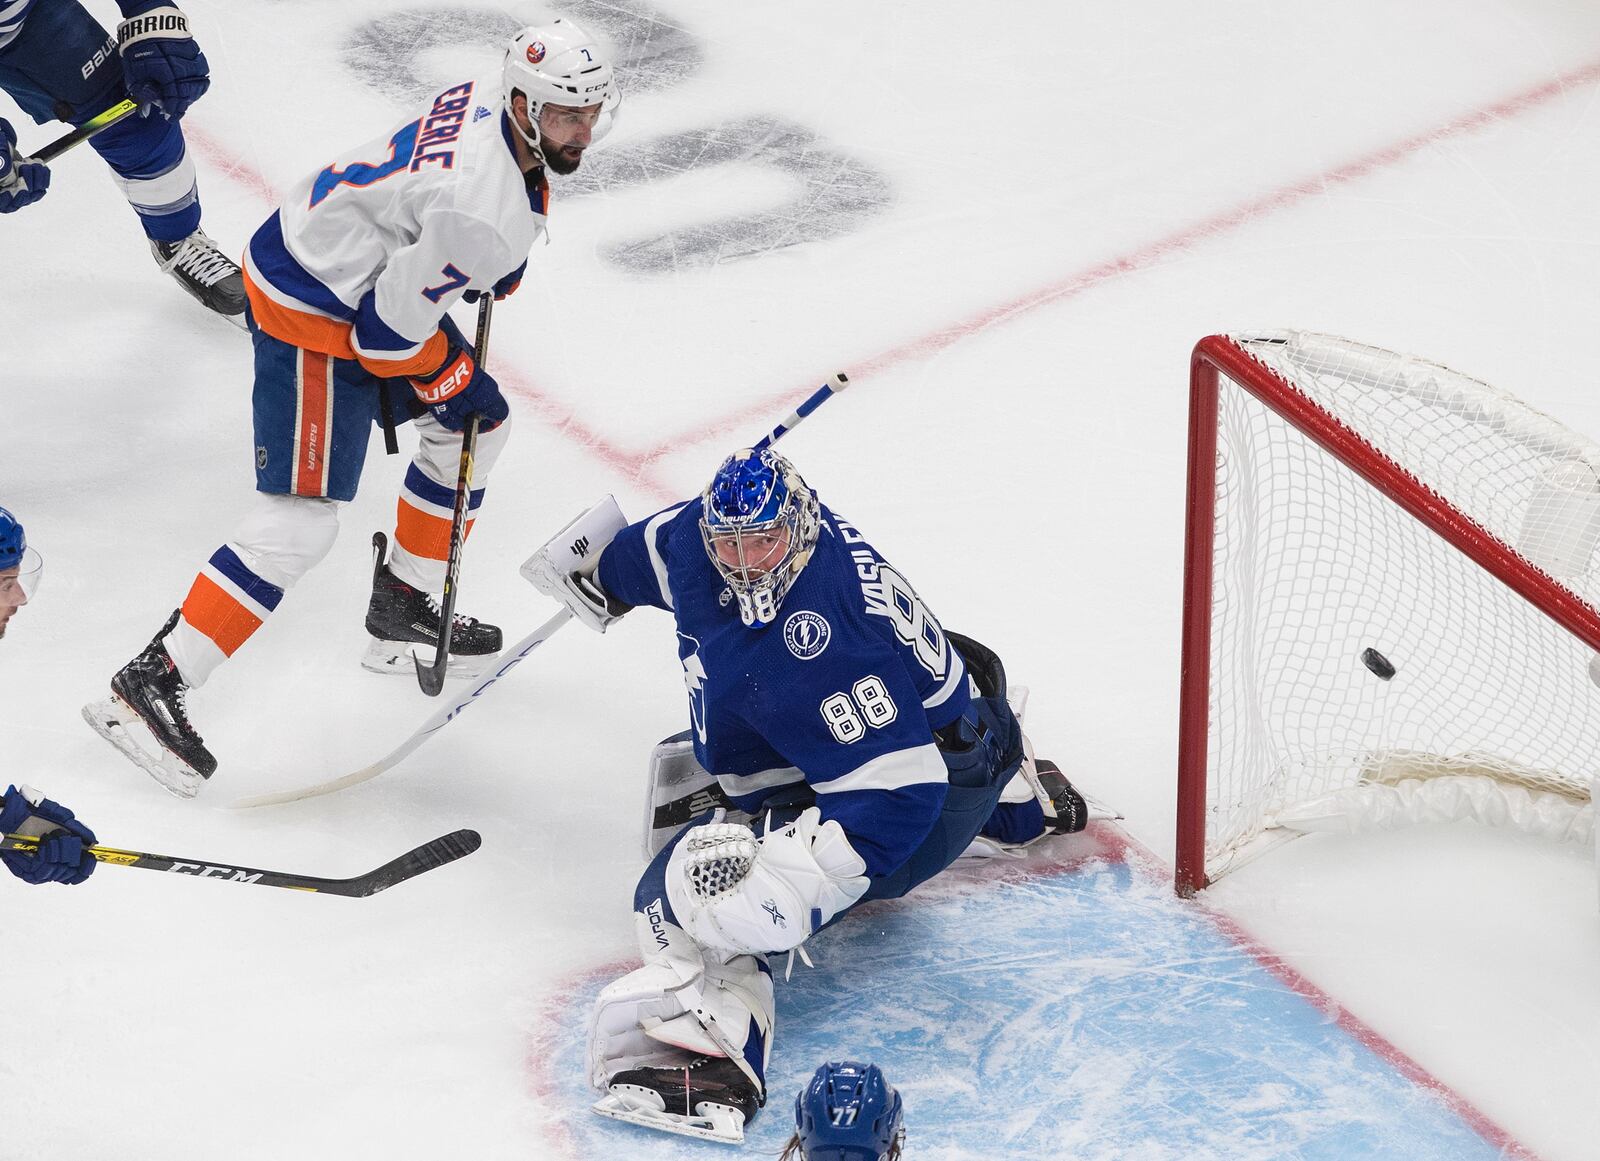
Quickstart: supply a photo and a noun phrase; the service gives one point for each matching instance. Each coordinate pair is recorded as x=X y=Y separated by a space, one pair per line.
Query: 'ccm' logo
x=201 y=871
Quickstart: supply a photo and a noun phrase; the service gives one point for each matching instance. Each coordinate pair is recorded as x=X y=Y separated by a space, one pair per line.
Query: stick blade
x=429 y=856
x=430 y=677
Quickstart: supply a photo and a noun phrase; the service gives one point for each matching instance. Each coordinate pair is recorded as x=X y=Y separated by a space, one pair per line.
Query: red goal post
x=1315 y=465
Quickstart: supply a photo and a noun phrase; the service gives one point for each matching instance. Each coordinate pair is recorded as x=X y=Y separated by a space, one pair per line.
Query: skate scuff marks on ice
x=1062 y=1005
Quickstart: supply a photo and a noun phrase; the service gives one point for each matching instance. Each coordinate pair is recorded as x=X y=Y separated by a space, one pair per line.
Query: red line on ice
x=1142 y=859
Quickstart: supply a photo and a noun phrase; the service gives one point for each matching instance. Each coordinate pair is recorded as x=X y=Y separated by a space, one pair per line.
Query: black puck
x=1378 y=663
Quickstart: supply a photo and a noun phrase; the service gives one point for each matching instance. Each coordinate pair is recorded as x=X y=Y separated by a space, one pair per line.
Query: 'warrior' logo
x=580 y=546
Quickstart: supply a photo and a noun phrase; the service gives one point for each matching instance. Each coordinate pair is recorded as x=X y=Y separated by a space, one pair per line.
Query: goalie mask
x=558 y=63
x=759 y=522
x=849 y=1112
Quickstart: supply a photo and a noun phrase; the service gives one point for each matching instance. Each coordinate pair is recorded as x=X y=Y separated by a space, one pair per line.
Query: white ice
x=1071 y=196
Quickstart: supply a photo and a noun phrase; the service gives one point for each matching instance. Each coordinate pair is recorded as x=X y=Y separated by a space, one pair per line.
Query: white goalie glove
x=738 y=893
x=564 y=568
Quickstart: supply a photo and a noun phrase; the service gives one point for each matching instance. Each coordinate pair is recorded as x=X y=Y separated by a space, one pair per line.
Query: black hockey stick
x=85 y=131
x=427 y=857
x=431 y=677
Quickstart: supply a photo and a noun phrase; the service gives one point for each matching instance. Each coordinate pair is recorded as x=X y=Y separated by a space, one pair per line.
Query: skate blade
x=124 y=729
x=710 y=1121
x=395 y=657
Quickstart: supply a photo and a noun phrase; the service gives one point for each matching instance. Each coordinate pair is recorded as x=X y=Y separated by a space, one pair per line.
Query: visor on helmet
x=20 y=582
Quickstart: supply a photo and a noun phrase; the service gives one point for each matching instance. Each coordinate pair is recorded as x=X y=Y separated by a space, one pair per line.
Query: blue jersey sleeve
x=633 y=567
x=857 y=730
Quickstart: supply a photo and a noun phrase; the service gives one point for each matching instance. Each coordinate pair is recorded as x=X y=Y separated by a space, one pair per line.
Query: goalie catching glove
x=737 y=893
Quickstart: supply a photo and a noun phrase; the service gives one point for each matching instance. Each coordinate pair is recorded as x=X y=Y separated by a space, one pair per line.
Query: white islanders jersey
x=365 y=256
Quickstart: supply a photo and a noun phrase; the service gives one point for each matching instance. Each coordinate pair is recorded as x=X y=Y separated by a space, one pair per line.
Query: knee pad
x=284 y=537
x=439 y=451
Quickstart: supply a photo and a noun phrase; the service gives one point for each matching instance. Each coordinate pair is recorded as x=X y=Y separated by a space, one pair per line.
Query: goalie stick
x=429 y=856
x=439 y=719
x=443 y=717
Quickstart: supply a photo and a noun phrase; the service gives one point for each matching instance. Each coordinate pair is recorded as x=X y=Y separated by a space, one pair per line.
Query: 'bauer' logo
x=536 y=52
x=806 y=634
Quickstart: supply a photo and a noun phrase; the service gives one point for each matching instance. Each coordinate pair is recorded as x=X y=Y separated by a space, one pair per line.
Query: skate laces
x=457 y=620
x=198 y=256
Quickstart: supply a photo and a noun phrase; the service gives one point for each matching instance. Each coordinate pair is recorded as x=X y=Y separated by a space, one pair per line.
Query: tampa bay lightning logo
x=806 y=634
x=694 y=680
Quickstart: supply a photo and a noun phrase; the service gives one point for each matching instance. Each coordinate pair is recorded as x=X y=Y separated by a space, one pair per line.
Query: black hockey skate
x=206 y=272
x=145 y=718
x=1066 y=812
x=404 y=620
x=708 y=1097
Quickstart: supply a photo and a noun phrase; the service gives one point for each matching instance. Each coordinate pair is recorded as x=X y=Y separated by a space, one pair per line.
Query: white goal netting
x=1364 y=669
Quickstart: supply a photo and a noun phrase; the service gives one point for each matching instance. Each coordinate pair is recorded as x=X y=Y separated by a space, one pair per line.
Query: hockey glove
x=22 y=182
x=62 y=857
x=163 y=66
x=740 y=894
x=460 y=389
x=505 y=288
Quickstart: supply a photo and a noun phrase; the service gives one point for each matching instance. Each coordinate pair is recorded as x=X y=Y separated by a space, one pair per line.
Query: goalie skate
x=124 y=729
x=709 y=1098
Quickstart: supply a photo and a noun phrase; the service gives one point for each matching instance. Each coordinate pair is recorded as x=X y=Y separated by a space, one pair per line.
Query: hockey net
x=1390 y=606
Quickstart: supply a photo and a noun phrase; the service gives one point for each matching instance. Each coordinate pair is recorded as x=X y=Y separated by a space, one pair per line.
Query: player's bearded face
x=12 y=597
x=564 y=133
x=752 y=555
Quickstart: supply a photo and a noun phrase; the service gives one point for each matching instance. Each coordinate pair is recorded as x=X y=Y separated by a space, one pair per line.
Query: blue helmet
x=20 y=565
x=13 y=541
x=849 y=1112
x=759 y=522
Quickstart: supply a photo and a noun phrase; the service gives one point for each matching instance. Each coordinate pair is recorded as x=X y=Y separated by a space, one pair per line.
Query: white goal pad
x=1391 y=594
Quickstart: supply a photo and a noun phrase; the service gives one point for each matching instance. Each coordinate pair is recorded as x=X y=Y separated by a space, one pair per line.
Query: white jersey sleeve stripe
x=918 y=766
x=739 y=784
x=660 y=566
x=952 y=681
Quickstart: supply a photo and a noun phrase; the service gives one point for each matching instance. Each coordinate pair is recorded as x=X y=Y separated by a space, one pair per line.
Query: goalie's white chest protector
x=435 y=206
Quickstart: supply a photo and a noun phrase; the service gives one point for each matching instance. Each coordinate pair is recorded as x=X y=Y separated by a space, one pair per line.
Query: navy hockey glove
x=460 y=389
x=22 y=182
x=163 y=65
x=62 y=855
x=505 y=288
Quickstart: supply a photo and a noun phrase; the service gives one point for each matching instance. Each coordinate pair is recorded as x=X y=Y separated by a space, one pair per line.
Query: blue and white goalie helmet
x=21 y=567
x=848 y=1112
x=558 y=63
x=759 y=522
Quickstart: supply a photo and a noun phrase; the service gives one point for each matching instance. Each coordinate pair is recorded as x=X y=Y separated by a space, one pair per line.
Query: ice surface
x=1046 y=205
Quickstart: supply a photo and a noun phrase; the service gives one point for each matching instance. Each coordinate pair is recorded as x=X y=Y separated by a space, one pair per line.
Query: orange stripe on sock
x=422 y=533
x=210 y=610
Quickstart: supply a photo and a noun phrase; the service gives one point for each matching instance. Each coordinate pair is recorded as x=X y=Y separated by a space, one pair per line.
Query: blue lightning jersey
x=843 y=692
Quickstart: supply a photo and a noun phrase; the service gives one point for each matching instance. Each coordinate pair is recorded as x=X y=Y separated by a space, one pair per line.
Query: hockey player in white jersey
x=349 y=283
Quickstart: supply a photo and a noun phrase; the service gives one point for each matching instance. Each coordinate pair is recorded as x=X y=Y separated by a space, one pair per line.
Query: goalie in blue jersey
x=859 y=748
